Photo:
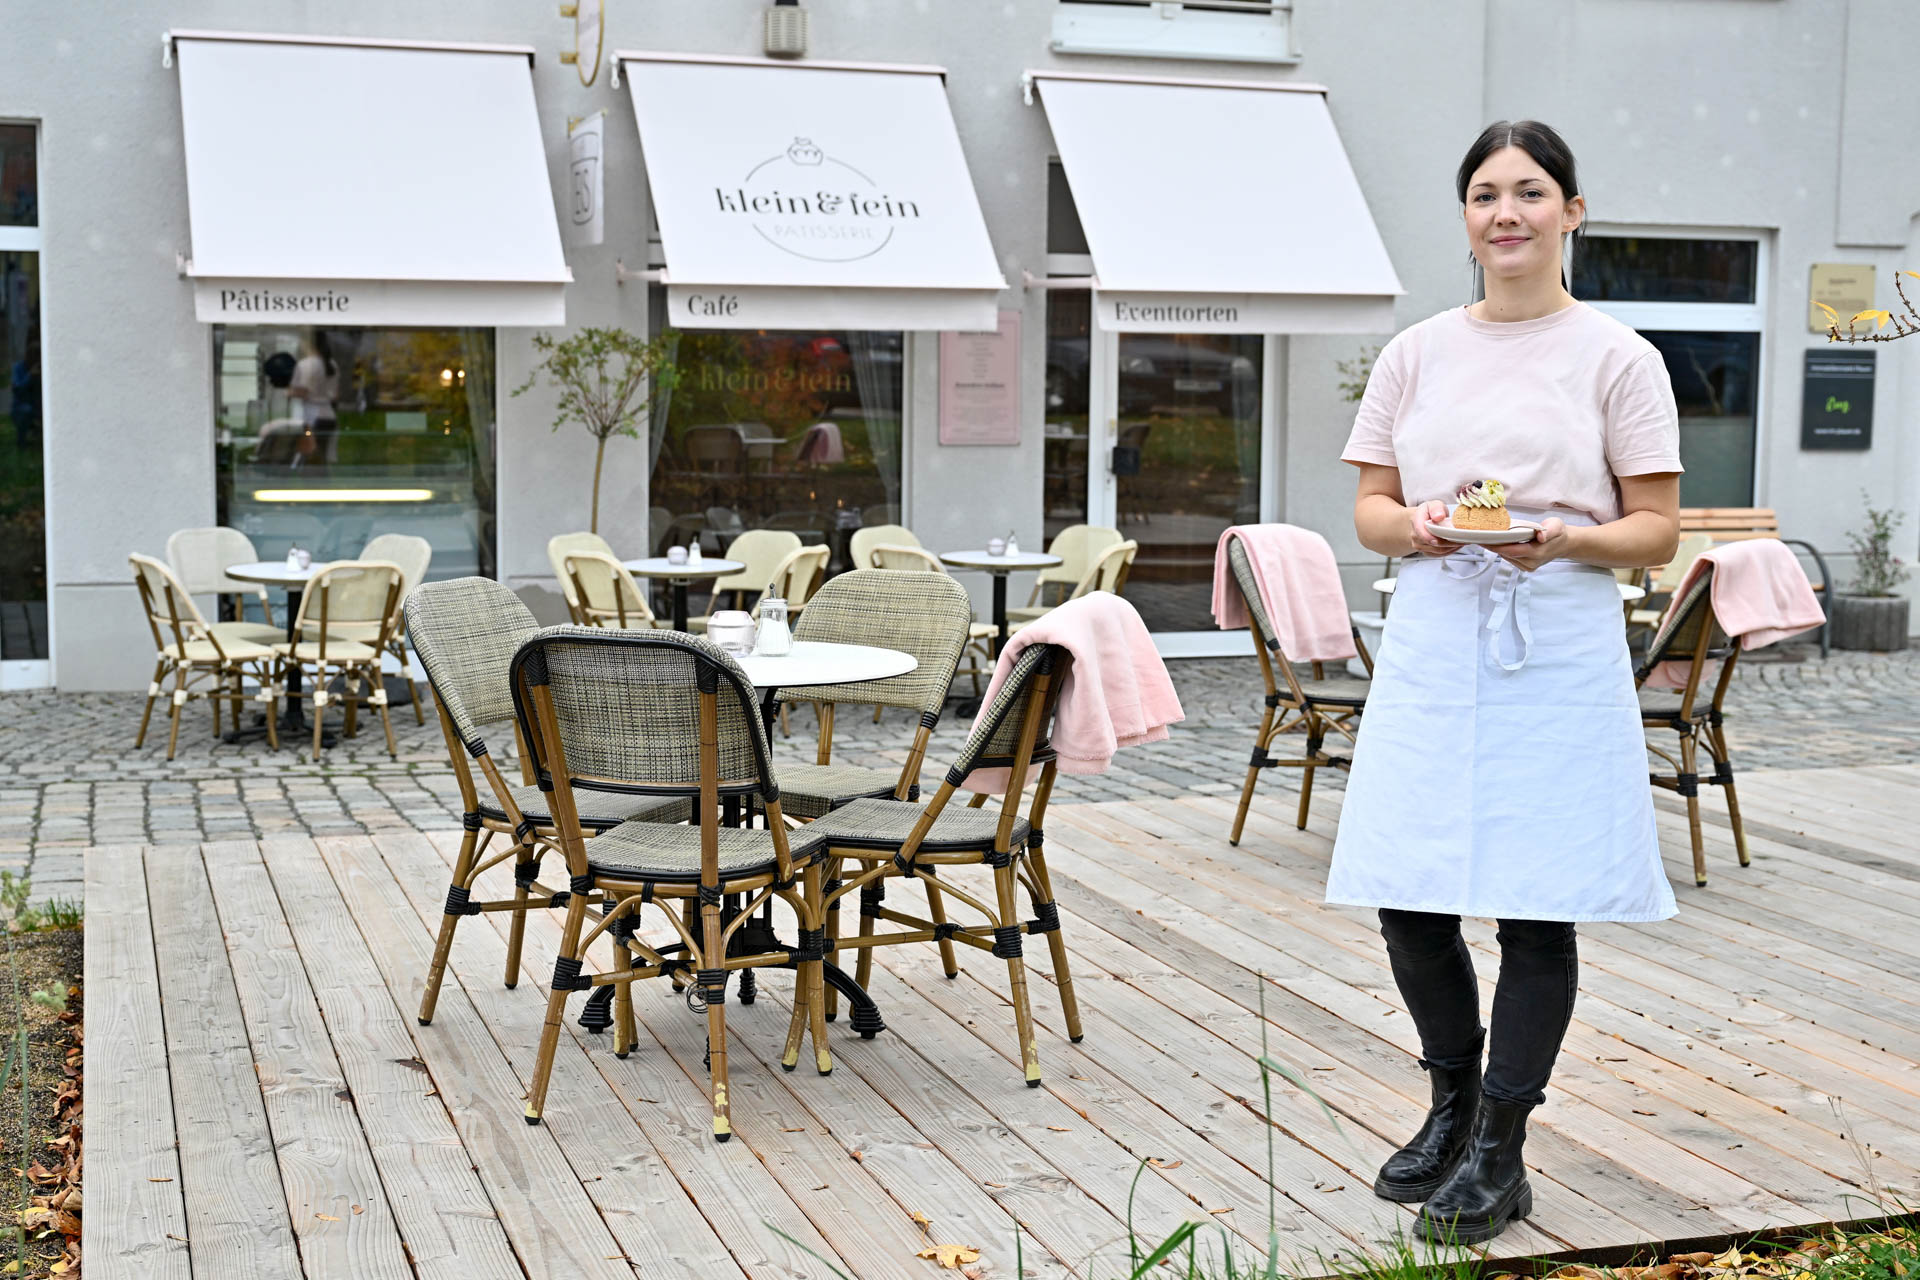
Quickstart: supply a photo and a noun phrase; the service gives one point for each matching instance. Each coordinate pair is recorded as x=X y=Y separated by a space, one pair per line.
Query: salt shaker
x=1013 y=543
x=773 y=640
x=693 y=552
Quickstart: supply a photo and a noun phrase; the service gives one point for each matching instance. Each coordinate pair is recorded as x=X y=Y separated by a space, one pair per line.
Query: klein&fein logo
x=260 y=300
x=814 y=206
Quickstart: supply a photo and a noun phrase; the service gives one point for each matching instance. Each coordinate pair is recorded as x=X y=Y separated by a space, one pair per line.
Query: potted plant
x=1874 y=615
x=605 y=378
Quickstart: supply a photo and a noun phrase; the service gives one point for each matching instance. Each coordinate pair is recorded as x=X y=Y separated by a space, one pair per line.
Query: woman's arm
x=1648 y=533
x=1387 y=525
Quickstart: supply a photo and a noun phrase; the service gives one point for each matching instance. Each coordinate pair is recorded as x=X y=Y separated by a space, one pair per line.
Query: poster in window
x=980 y=384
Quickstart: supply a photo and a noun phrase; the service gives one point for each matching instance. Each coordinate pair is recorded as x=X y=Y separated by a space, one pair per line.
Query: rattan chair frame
x=980 y=635
x=353 y=660
x=1027 y=700
x=1692 y=634
x=701 y=955
x=630 y=609
x=1291 y=707
x=232 y=662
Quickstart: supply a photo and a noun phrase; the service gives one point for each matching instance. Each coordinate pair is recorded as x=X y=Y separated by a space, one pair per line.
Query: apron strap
x=1511 y=590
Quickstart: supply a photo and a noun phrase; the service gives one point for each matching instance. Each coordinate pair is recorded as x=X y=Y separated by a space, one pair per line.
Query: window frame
x=1716 y=317
x=1175 y=29
x=36 y=673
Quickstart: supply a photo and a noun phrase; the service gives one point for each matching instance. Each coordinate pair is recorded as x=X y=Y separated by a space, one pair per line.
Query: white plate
x=1522 y=531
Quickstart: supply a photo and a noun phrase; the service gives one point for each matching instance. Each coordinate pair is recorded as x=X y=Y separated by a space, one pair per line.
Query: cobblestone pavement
x=70 y=776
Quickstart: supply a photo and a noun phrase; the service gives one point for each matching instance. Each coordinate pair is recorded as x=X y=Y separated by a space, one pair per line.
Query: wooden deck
x=260 y=1102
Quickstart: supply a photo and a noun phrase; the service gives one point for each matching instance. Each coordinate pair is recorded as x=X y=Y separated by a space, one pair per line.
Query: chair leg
x=937 y=908
x=386 y=722
x=1253 y=776
x=462 y=868
x=813 y=975
x=713 y=952
x=1689 y=767
x=1010 y=950
x=1723 y=765
x=271 y=687
x=526 y=867
x=872 y=894
x=623 y=1024
x=350 y=698
x=1056 y=942
x=215 y=697
x=406 y=669
x=153 y=691
x=1306 y=796
x=569 y=958
x=179 y=701
x=319 y=706
x=831 y=997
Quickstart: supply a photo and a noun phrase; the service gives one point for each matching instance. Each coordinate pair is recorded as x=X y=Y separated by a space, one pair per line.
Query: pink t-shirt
x=1554 y=408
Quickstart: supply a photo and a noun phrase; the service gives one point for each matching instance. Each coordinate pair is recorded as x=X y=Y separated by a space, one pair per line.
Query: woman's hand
x=1550 y=542
x=1425 y=543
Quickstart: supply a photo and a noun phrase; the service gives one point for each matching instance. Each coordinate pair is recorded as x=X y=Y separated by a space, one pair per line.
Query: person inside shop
x=316 y=381
x=1516 y=450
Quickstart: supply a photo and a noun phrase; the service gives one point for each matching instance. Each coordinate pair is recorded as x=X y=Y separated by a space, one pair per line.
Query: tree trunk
x=599 y=455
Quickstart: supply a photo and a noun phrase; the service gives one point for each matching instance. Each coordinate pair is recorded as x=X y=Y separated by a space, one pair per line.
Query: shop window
x=327 y=437
x=794 y=430
x=1216 y=30
x=23 y=524
x=1698 y=300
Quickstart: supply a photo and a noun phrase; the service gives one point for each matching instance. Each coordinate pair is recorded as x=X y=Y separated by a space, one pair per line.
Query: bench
x=1738 y=524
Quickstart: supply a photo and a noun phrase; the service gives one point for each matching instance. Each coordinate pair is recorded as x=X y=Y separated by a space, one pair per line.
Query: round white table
x=1000 y=567
x=679 y=575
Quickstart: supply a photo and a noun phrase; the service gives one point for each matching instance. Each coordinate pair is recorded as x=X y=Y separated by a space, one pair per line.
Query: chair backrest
x=607 y=594
x=199 y=558
x=1678 y=637
x=799 y=574
x=1242 y=570
x=762 y=551
x=1675 y=570
x=626 y=707
x=1108 y=572
x=557 y=548
x=925 y=616
x=412 y=554
x=1077 y=545
x=171 y=614
x=465 y=632
x=995 y=740
x=860 y=546
x=716 y=448
x=354 y=599
x=909 y=559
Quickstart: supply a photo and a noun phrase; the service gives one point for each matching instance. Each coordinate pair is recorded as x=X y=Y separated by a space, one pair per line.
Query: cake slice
x=1482 y=505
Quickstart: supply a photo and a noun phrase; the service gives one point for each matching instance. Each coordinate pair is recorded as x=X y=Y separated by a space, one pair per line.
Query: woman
x=1502 y=770
x=316 y=381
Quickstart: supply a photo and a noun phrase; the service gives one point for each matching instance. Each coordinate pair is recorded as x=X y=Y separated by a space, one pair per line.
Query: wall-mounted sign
x=1847 y=287
x=1837 y=410
x=980 y=384
x=586 y=179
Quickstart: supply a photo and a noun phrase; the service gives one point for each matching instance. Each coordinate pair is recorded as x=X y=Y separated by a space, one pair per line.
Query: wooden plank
x=135 y=1226
x=237 y=1216
x=341 y=1218
x=442 y=1211
x=550 y=1221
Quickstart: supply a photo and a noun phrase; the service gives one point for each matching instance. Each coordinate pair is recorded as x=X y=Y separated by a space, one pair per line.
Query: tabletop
x=820 y=662
x=276 y=573
x=980 y=559
x=661 y=567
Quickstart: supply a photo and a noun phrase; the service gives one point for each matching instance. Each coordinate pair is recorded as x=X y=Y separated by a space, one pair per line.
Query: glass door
x=23 y=525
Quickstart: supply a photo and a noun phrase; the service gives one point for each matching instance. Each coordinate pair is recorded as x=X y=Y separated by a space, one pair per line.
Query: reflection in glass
x=19 y=179
x=776 y=430
x=23 y=508
x=1714 y=379
x=1069 y=334
x=327 y=437
x=1659 y=269
x=1190 y=408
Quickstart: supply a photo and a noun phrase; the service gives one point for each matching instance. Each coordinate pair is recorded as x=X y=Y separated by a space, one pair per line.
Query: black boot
x=1412 y=1173
x=1488 y=1187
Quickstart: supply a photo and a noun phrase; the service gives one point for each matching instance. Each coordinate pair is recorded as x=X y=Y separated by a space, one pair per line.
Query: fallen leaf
x=1058 y=1129
x=1228 y=1209
x=1637 y=1111
x=159 y=1179
x=1341 y=1187
x=920 y=1220
x=1158 y=1163
x=326 y=1217
x=800 y=1129
x=950 y=1256
x=358 y=1209
x=858 y=1155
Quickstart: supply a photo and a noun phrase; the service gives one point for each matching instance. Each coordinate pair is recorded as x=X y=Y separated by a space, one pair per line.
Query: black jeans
x=1532 y=1003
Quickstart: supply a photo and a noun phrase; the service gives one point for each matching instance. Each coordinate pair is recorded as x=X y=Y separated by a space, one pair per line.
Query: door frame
x=35 y=673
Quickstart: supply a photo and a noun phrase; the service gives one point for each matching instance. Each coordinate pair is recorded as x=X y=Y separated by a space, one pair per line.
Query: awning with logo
x=366 y=183
x=1218 y=207
x=817 y=195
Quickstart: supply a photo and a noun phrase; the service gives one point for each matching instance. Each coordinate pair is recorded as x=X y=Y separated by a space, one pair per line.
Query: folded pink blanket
x=1760 y=595
x=1116 y=693
x=1299 y=582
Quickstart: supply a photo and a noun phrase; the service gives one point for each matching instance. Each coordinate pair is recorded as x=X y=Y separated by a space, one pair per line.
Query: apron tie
x=1509 y=594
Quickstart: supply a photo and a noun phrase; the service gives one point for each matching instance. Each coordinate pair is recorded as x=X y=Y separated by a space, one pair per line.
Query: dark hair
x=1548 y=149
x=324 y=350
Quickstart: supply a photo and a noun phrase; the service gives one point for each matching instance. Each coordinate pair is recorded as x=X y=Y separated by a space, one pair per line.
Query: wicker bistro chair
x=1317 y=707
x=606 y=594
x=1691 y=634
x=889 y=840
x=466 y=632
x=413 y=555
x=1108 y=572
x=360 y=596
x=199 y=558
x=762 y=551
x=665 y=714
x=905 y=558
x=193 y=650
x=1078 y=546
x=557 y=548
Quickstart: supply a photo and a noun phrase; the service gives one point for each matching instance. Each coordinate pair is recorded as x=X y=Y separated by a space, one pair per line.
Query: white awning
x=359 y=184
x=1216 y=207
x=811 y=196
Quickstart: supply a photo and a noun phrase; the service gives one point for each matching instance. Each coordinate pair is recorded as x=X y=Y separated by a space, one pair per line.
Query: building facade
x=1096 y=356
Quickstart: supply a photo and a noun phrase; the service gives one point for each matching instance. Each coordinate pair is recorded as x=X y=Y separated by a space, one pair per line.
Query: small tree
x=1903 y=325
x=606 y=378
x=1877 y=571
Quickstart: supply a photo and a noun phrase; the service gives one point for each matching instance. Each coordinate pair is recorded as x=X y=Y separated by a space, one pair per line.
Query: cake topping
x=1483 y=493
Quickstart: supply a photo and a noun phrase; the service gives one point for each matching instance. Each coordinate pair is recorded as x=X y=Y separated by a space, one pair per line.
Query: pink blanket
x=1760 y=595
x=1299 y=582
x=821 y=443
x=1116 y=693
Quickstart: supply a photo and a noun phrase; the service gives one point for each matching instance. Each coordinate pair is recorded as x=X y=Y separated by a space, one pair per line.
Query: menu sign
x=1837 y=410
x=980 y=384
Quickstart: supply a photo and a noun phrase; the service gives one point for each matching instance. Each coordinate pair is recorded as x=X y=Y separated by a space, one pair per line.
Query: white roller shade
x=1218 y=208
x=357 y=184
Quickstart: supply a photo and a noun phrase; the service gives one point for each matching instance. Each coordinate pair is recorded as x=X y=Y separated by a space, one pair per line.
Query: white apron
x=1501 y=768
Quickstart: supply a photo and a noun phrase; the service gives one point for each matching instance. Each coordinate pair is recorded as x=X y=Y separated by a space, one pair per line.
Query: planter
x=1877 y=623
x=1371 y=626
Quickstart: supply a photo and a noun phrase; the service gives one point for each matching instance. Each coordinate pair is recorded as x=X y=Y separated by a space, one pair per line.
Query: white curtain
x=879 y=409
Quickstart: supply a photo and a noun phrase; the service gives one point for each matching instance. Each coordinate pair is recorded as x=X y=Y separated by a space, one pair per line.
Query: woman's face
x=1516 y=216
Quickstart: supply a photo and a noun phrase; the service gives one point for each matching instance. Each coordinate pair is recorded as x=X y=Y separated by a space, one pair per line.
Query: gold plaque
x=1847 y=287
